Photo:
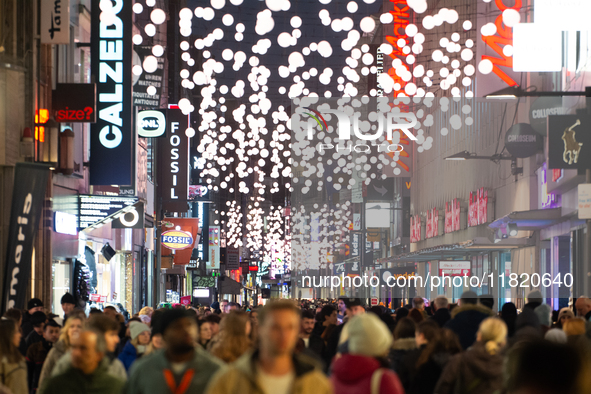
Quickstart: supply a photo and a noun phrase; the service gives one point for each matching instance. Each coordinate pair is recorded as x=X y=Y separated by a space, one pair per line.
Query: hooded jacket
x=474 y=371
x=74 y=381
x=241 y=377
x=352 y=374
x=465 y=322
x=128 y=355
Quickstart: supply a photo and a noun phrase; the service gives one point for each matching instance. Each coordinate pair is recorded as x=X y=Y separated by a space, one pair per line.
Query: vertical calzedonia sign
x=111 y=155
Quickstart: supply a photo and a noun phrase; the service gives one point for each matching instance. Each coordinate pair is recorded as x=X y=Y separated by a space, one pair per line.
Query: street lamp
x=516 y=91
x=465 y=155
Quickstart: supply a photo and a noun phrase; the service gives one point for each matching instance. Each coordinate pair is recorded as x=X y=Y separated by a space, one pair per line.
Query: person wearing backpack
x=364 y=369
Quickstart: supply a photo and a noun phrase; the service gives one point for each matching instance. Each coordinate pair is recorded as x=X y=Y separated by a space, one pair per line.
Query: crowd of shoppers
x=334 y=346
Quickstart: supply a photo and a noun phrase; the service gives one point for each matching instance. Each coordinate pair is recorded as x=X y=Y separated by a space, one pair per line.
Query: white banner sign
x=55 y=21
x=585 y=201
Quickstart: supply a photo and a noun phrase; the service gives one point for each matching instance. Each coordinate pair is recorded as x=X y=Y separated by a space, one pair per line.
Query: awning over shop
x=532 y=220
x=461 y=249
x=229 y=286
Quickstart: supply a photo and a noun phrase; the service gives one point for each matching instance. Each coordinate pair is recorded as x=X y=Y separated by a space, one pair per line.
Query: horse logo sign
x=568 y=142
x=571 y=146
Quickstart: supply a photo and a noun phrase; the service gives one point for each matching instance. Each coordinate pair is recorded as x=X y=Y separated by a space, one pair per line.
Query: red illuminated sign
x=477 y=208
x=74 y=102
x=432 y=223
x=452 y=216
x=415 y=229
x=503 y=37
x=401 y=14
x=72 y=115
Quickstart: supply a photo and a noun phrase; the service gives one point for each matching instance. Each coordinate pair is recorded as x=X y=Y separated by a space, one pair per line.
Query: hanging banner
x=232 y=258
x=111 y=137
x=214 y=248
x=28 y=195
x=184 y=225
x=173 y=151
x=55 y=21
x=147 y=87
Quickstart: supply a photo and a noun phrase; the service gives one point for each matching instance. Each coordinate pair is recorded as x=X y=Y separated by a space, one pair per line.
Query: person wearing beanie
x=68 y=304
x=534 y=299
x=34 y=305
x=139 y=338
x=564 y=314
x=466 y=318
x=180 y=364
x=480 y=368
x=364 y=369
x=336 y=340
x=556 y=335
x=38 y=320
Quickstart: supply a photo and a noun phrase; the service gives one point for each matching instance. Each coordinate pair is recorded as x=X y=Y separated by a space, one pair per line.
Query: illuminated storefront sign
x=547 y=200
x=452 y=216
x=97 y=208
x=65 y=223
x=432 y=223
x=478 y=207
x=151 y=124
x=111 y=154
x=177 y=240
x=401 y=14
x=415 y=229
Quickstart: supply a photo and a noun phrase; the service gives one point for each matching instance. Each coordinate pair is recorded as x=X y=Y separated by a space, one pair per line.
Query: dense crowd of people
x=330 y=346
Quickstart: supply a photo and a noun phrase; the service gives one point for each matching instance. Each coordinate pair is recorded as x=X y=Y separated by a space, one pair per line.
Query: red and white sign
x=415 y=229
x=186 y=300
x=374 y=302
x=95 y=297
x=432 y=223
x=452 y=216
x=454 y=268
x=477 y=208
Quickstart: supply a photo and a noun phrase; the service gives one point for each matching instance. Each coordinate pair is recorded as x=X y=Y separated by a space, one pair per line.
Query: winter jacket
x=407 y=367
x=333 y=343
x=58 y=350
x=32 y=338
x=400 y=348
x=352 y=374
x=36 y=355
x=474 y=371
x=241 y=377
x=74 y=381
x=428 y=374
x=14 y=376
x=26 y=325
x=441 y=316
x=128 y=355
x=114 y=366
x=465 y=322
x=147 y=374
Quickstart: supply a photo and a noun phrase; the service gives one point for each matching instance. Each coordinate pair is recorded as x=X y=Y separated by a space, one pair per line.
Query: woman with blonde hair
x=233 y=339
x=480 y=368
x=13 y=368
x=72 y=327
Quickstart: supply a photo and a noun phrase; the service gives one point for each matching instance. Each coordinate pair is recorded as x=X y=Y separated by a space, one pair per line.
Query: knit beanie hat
x=556 y=335
x=136 y=328
x=368 y=336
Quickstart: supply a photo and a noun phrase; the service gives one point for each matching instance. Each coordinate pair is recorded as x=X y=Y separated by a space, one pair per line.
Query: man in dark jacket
x=312 y=340
x=534 y=299
x=88 y=373
x=37 y=353
x=68 y=304
x=441 y=315
x=38 y=321
x=354 y=307
x=466 y=319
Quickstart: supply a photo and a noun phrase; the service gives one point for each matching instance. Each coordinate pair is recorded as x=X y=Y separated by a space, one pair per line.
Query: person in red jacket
x=364 y=369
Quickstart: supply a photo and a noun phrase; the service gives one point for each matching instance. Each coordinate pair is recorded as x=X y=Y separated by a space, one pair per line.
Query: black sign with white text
x=28 y=197
x=173 y=154
x=111 y=153
x=96 y=208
